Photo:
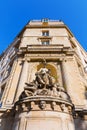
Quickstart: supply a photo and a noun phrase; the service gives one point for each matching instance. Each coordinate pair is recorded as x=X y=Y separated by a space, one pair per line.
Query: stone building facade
x=43 y=79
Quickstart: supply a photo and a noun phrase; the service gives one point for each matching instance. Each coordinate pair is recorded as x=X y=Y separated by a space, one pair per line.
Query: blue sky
x=14 y=14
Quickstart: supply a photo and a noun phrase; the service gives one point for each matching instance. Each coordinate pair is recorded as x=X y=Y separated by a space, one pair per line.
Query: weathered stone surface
x=34 y=98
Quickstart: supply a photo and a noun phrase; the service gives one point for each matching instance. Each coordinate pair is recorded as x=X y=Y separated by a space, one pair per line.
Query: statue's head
x=43 y=71
x=42 y=104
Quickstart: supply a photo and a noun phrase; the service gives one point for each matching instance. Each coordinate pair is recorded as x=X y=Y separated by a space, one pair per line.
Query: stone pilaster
x=66 y=81
x=12 y=83
x=72 y=82
x=23 y=79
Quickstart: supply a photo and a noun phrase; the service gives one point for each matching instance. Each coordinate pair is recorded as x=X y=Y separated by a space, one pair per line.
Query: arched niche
x=51 y=68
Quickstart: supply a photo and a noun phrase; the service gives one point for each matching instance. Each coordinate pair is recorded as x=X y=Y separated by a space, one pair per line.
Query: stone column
x=66 y=82
x=23 y=79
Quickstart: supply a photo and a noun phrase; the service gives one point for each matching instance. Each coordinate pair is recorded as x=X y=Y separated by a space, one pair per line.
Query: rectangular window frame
x=45 y=42
x=45 y=33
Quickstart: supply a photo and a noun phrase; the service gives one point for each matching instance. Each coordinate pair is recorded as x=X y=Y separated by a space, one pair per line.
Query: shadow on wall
x=6 y=122
x=80 y=124
x=80 y=121
x=86 y=93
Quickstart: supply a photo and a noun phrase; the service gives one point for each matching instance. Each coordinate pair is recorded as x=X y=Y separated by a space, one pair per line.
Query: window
x=45 y=20
x=45 y=38
x=2 y=76
x=45 y=33
x=2 y=90
x=45 y=42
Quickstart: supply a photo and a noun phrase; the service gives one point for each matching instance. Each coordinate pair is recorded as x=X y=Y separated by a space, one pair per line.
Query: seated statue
x=44 y=84
x=44 y=78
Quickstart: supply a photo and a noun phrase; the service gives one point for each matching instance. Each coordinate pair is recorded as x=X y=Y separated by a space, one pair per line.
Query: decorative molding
x=40 y=103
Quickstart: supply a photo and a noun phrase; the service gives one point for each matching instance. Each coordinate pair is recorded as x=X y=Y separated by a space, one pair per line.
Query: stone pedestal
x=43 y=105
x=43 y=113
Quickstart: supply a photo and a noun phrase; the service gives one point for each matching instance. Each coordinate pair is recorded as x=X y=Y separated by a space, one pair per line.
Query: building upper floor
x=42 y=34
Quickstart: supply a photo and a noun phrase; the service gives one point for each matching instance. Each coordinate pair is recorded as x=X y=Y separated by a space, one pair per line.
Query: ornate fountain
x=43 y=105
